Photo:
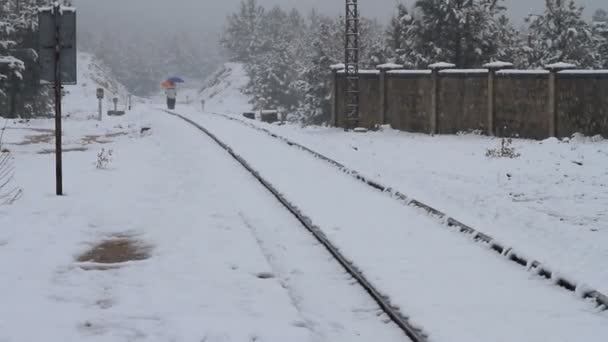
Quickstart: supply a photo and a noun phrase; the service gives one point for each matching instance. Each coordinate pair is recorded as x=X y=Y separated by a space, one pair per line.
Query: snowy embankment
x=168 y=240
x=80 y=100
x=550 y=202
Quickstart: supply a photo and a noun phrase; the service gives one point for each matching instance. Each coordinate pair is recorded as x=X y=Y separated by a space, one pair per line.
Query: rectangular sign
x=47 y=44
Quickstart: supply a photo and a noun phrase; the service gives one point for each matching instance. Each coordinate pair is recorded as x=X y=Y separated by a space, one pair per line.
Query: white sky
x=210 y=14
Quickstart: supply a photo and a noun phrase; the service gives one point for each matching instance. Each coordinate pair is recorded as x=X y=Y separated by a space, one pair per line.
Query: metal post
x=351 y=56
x=58 y=148
x=100 y=110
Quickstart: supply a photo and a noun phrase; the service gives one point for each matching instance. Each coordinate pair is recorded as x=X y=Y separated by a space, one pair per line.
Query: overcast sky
x=210 y=14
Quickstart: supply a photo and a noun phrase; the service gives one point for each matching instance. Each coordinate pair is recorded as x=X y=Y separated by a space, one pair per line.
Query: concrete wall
x=582 y=103
x=525 y=103
x=522 y=105
x=408 y=101
x=463 y=101
x=369 y=102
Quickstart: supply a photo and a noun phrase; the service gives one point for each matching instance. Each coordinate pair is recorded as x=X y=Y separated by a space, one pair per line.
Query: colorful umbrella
x=168 y=84
x=175 y=79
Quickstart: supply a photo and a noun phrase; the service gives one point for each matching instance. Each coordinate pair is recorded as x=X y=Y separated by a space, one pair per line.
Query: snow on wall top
x=339 y=66
x=442 y=65
x=584 y=72
x=409 y=72
x=498 y=65
x=561 y=65
x=363 y=72
x=389 y=66
x=464 y=71
x=523 y=72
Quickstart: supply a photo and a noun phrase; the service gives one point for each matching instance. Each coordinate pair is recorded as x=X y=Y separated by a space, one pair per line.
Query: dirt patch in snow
x=41 y=130
x=101 y=139
x=265 y=275
x=36 y=139
x=68 y=149
x=115 y=251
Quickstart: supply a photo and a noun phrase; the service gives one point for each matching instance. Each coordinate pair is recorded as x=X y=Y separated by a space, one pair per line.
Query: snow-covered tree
x=271 y=71
x=20 y=90
x=402 y=39
x=371 y=43
x=561 y=34
x=315 y=79
x=464 y=32
x=9 y=66
x=600 y=30
x=242 y=33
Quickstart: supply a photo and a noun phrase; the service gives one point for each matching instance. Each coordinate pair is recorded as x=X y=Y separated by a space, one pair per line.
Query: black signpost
x=100 y=94
x=57 y=58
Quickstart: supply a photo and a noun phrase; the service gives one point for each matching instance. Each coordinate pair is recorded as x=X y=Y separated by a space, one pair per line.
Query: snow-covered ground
x=549 y=203
x=412 y=258
x=212 y=230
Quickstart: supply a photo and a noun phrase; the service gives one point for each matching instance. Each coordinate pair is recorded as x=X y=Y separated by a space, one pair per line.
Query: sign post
x=100 y=98
x=57 y=58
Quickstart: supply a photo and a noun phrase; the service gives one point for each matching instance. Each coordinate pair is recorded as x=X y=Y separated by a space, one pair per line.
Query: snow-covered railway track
x=510 y=253
x=415 y=333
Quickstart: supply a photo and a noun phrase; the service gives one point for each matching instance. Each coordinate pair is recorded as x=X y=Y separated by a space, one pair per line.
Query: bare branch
x=9 y=193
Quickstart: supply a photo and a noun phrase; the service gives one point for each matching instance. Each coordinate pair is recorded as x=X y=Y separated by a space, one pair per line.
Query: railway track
x=414 y=332
x=508 y=252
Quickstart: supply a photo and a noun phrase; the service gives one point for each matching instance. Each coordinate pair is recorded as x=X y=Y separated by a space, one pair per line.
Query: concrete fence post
x=384 y=68
x=492 y=69
x=554 y=69
x=434 y=113
x=335 y=97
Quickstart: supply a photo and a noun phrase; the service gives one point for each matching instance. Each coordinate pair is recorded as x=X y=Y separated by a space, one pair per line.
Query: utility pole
x=58 y=88
x=57 y=59
x=351 y=63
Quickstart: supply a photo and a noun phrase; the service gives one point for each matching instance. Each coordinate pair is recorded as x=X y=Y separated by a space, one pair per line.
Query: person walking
x=171 y=93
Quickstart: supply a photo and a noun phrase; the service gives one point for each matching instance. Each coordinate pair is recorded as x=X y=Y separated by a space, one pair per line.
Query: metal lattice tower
x=351 y=62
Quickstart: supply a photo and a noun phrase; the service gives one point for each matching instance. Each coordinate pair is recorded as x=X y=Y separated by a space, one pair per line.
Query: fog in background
x=201 y=21
x=209 y=15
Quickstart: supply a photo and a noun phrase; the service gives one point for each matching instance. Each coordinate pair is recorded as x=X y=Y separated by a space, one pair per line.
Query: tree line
x=287 y=55
x=20 y=91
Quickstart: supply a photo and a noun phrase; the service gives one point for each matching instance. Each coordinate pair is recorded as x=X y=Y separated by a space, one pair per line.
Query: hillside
x=80 y=100
x=225 y=89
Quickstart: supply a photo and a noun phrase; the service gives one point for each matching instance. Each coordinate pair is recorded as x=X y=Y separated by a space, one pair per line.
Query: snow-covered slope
x=80 y=100
x=225 y=88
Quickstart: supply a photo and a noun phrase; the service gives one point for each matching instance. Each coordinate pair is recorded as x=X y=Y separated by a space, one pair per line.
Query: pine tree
x=464 y=32
x=403 y=42
x=22 y=93
x=271 y=72
x=242 y=34
x=316 y=75
x=8 y=64
x=600 y=31
x=371 y=43
x=561 y=34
